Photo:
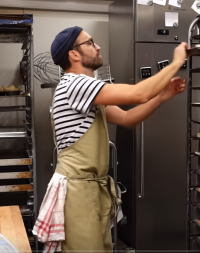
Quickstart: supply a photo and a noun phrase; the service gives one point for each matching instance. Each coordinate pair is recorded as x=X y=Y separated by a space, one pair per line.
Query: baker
x=82 y=107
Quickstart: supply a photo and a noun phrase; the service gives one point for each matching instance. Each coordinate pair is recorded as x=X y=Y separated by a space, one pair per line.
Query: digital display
x=145 y=72
x=163 y=64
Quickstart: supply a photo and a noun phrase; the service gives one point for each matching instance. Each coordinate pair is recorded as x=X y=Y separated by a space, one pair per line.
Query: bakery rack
x=18 y=185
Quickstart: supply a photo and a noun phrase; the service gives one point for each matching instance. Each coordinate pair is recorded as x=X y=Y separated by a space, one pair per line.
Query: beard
x=92 y=62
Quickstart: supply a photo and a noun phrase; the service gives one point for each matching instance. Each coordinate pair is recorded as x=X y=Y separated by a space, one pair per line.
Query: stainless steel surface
x=141 y=194
x=165 y=152
x=11 y=132
x=151 y=18
x=152 y=223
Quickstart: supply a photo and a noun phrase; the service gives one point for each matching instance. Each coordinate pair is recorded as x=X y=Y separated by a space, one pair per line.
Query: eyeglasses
x=90 y=42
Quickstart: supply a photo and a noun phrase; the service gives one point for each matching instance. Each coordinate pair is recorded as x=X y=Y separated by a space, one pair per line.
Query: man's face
x=91 y=56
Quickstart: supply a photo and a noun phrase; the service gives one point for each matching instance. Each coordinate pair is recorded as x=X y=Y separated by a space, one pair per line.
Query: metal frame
x=191 y=202
x=21 y=186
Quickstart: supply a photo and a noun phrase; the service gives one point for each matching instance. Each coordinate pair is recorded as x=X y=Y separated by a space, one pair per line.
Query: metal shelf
x=196 y=37
x=195 y=87
x=195 y=154
x=195 y=138
x=195 y=122
x=195 y=104
x=195 y=51
x=13 y=132
x=16 y=188
x=191 y=195
x=14 y=108
x=15 y=162
x=197 y=70
x=15 y=175
x=195 y=171
x=16 y=96
x=18 y=167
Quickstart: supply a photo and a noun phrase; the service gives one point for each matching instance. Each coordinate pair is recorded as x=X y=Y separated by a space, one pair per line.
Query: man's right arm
x=118 y=94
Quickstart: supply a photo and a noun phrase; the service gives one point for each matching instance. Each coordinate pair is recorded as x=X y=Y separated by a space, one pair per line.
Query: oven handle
x=141 y=194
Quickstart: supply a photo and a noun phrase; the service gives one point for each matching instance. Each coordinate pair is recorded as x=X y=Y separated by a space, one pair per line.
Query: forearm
x=122 y=94
x=141 y=112
x=151 y=87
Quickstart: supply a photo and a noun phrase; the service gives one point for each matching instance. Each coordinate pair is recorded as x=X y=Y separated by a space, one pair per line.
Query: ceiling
x=66 y=5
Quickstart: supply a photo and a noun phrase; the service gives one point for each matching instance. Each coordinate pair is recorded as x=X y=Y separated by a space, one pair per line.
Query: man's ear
x=74 y=55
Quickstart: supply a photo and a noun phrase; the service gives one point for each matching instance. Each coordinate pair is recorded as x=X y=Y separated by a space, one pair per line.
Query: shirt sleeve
x=82 y=91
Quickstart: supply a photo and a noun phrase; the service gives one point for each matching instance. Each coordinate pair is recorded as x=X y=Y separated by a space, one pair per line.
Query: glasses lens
x=92 y=42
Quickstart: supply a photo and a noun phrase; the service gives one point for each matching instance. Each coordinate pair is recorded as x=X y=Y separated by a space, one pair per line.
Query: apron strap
x=108 y=180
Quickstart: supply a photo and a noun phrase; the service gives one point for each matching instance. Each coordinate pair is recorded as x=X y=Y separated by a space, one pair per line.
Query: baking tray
x=196 y=37
x=195 y=51
x=14 y=158
x=15 y=175
x=10 y=93
x=13 y=132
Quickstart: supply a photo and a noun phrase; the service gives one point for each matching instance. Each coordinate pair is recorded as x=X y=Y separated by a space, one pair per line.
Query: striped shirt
x=73 y=112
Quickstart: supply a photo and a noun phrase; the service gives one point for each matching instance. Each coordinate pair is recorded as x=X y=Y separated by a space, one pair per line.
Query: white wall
x=47 y=24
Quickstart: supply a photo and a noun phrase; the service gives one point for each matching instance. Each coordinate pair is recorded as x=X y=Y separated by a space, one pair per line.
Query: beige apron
x=91 y=198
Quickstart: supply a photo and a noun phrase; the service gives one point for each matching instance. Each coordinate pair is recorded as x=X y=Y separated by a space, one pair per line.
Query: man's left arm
x=138 y=114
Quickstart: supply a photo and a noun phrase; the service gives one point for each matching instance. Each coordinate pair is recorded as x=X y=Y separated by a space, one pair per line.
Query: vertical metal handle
x=54 y=158
x=141 y=194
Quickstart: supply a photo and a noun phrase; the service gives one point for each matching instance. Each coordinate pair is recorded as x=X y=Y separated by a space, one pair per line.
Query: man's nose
x=97 y=47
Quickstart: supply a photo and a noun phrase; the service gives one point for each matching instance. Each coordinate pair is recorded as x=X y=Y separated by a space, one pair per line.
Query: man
x=81 y=107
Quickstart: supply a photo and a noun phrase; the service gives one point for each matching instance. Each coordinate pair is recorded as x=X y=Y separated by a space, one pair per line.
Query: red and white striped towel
x=49 y=226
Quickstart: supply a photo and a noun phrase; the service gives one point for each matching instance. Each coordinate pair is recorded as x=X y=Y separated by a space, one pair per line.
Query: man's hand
x=176 y=86
x=180 y=53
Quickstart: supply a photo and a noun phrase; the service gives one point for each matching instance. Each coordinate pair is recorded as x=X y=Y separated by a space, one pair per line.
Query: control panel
x=163 y=32
x=145 y=72
x=184 y=66
x=163 y=64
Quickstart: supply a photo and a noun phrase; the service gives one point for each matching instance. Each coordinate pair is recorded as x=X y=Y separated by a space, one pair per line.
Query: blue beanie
x=63 y=43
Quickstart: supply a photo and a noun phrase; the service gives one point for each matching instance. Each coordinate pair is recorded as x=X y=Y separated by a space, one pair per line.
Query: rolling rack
x=193 y=193
x=17 y=154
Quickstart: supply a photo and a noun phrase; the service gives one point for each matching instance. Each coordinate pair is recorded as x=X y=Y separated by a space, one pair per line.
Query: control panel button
x=163 y=64
x=145 y=72
x=184 y=66
x=163 y=32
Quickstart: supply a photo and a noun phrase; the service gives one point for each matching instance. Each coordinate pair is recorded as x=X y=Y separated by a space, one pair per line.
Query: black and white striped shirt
x=73 y=112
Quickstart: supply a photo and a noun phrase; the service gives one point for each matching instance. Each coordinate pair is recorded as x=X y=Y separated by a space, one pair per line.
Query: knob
x=175 y=24
x=198 y=5
x=150 y=2
x=176 y=37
